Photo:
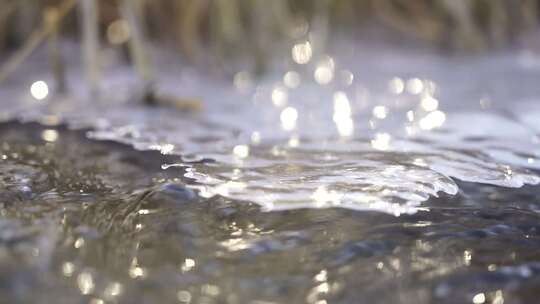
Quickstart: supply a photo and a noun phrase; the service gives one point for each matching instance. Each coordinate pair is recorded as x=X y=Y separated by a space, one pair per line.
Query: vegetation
x=221 y=30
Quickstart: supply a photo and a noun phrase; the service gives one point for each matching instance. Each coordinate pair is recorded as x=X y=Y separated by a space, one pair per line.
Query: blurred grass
x=255 y=28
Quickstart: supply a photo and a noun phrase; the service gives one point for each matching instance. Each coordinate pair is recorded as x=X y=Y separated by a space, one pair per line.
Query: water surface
x=380 y=178
x=90 y=222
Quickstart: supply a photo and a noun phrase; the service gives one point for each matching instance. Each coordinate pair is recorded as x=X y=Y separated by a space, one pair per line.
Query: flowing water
x=381 y=179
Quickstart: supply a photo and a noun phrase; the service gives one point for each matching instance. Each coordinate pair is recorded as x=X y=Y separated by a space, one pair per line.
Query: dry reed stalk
x=256 y=30
x=90 y=49
x=57 y=64
x=35 y=39
x=7 y=9
x=131 y=11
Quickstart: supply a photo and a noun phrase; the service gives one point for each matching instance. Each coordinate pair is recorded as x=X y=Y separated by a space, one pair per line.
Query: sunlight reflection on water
x=313 y=140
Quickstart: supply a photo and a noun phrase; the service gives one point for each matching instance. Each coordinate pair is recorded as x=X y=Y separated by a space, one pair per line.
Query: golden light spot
x=396 y=85
x=226 y=188
x=291 y=79
x=136 y=272
x=288 y=118
x=380 y=112
x=322 y=276
x=410 y=116
x=347 y=77
x=323 y=196
x=113 y=290
x=498 y=298
x=342 y=114
x=345 y=127
x=68 y=268
x=79 y=243
x=420 y=162
x=242 y=81
x=49 y=135
x=294 y=141
x=324 y=73
x=211 y=290
x=143 y=212
x=342 y=107
x=39 y=90
x=118 y=32
x=85 y=281
x=429 y=103
x=432 y=120
x=241 y=151
x=166 y=149
x=381 y=141
x=415 y=86
x=323 y=288
x=255 y=138
x=279 y=96
x=479 y=298
x=467 y=257
x=188 y=264
x=302 y=52
x=183 y=296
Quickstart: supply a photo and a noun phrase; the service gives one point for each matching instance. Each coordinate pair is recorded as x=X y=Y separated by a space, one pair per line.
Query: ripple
x=361 y=148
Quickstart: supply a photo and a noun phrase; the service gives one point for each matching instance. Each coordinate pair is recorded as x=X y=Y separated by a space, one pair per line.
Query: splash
x=382 y=141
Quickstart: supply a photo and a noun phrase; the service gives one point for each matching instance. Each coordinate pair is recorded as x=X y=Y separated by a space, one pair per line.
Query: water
x=380 y=171
x=85 y=221
x=334 y=136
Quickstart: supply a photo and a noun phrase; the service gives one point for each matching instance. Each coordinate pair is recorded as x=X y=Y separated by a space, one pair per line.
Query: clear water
x=335 y=192
x=92 y=222
x=376 y=130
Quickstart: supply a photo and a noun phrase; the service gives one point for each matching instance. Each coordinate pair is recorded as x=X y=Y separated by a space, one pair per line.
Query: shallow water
x=381 y=171
x=379 y=130
x=97 y=222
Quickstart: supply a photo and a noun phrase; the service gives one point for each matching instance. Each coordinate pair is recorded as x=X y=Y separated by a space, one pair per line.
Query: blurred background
x=222 y=35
